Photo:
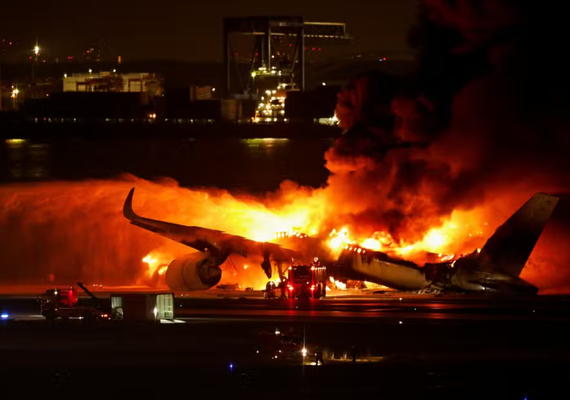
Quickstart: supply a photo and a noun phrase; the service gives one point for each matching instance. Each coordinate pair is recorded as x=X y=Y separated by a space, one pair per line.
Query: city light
x=37 y=50
x=15 y=92
x=90 y=70
x=64 y=76
x=15 y=141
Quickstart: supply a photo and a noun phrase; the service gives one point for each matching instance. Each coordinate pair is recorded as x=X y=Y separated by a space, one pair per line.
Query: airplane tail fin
x=512 y=243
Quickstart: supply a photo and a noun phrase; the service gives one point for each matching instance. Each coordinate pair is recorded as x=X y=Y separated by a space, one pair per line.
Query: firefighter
x=319 y=357
x=270 y=290
x=283 y=287
x=354 y=353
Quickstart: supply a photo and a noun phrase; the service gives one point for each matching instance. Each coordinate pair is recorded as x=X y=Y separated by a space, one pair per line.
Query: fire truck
x=307 y=281
x=63 y=303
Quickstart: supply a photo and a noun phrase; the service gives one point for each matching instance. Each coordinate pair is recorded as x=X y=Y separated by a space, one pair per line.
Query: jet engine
x=195 y=271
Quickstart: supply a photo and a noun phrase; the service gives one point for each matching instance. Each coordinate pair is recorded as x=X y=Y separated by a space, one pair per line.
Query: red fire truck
x=62 y=303
x=307 y=281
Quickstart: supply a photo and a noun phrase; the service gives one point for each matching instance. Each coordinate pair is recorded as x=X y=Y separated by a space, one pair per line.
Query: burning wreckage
x=494 y=268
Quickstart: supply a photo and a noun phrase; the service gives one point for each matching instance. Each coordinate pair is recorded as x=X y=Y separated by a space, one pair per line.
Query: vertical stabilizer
x=512 y=243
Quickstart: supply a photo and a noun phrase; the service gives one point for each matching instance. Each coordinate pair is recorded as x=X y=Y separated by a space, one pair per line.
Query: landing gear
x=266 y=266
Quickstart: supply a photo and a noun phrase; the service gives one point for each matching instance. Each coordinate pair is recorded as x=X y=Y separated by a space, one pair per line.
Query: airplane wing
x=203 y=239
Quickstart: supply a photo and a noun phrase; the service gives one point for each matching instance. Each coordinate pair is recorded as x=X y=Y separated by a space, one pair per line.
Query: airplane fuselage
x=464 y=275
x=369 y=267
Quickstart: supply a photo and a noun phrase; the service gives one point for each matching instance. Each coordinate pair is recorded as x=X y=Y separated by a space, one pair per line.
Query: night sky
x=187 y=31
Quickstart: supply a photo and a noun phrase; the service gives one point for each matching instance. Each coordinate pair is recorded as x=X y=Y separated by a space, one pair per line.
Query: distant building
x=139 y=82
x=202 y=93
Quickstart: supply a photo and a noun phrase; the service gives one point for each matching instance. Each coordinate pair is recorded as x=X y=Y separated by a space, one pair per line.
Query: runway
x=400 y=307
x=339 y=307
x=425 y=347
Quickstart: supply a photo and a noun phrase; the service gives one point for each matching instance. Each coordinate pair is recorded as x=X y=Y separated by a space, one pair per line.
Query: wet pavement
x=421 y=347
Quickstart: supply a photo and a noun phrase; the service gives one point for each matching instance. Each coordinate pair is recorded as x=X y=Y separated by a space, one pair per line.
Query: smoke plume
x=483 y=128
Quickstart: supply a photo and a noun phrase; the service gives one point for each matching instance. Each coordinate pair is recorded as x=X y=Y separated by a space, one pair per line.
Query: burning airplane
x=201 y=270
x=494 y=268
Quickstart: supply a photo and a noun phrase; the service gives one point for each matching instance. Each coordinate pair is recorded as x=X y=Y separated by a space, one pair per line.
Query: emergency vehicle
x=307 y=281
x=63 y=303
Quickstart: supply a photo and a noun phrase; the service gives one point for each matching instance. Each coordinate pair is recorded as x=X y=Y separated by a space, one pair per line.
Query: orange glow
x=294 y=211
x=338 y=284
x=149 y=260
x=112 y=251
x=453 y=236
x=435 y=240
x=157 y=263
x=339 y=240
x=372 y=244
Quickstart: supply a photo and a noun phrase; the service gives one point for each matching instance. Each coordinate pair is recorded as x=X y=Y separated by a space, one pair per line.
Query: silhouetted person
x=283 y=287
x=354 y=353
x=270 y=290
x=319 y=357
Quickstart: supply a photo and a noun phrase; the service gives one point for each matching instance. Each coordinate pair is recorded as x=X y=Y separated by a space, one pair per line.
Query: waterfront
x=249 y=165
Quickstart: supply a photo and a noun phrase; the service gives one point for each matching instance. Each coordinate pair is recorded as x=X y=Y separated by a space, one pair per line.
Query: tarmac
x=393 y=345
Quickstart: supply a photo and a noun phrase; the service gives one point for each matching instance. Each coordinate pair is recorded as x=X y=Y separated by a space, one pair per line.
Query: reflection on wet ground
x=27 y=161
x=257 y=165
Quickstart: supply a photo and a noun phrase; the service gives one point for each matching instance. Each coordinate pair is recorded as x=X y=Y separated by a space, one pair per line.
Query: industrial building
x=139 y=82
x=276 y=66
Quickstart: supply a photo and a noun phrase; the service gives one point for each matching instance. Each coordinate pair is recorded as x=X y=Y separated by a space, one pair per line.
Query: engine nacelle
x=193 y=272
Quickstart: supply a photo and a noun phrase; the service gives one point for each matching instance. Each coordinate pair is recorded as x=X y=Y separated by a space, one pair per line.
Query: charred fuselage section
x=380 y=268
x=462 y=275
x=494 y=269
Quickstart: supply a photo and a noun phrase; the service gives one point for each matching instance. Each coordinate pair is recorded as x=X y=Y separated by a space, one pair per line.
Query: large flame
x=100 y=246
x=462 y=232
x=157 y=263
x=337 y=284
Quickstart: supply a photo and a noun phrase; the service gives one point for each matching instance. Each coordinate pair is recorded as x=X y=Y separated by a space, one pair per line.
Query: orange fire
x=157 y=263
x=337 y=284
x=273 y=221
x=107 y=249
x=446 y=241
